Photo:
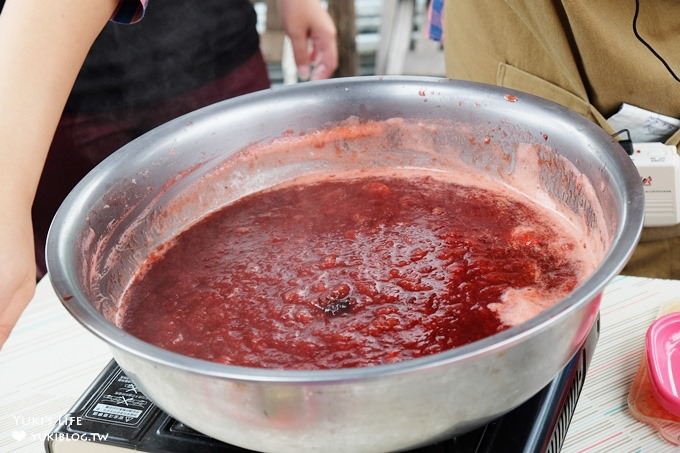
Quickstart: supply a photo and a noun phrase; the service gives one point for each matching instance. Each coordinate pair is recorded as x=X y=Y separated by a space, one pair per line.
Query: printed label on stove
x=120 y=402
x=106 y=410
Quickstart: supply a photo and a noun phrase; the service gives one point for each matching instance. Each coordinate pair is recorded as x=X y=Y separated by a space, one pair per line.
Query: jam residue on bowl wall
x=350 y=272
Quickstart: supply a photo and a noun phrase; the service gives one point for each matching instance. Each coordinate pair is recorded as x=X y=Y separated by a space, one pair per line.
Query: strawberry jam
x=346 y=273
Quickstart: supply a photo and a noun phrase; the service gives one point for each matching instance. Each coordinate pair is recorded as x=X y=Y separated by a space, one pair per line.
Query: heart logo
x=19 y=435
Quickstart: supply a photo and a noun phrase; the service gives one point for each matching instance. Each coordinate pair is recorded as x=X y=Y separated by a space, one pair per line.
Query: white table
x=49 y=361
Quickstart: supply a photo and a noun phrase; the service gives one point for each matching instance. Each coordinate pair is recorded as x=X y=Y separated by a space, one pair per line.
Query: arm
x=312 y=33
x=42 y=47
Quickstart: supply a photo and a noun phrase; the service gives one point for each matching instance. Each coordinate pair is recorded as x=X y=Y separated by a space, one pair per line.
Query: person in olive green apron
x=590 y=56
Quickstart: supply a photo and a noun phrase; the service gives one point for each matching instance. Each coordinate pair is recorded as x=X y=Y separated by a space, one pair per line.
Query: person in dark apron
x=181 y=56
x=177 y=59
x=591 y=57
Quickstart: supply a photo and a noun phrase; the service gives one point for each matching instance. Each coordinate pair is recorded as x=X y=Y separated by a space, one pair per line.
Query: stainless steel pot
x=159 y=183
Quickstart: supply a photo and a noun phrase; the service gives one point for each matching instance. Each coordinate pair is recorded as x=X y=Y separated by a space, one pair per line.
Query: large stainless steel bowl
x=147 y=191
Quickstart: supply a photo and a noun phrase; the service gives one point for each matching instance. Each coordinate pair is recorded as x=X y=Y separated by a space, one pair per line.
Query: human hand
x=43 y=44
x=312 y=34
x=17 y=270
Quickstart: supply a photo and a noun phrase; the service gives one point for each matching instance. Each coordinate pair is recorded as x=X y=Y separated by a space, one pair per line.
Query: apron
x=585 y=56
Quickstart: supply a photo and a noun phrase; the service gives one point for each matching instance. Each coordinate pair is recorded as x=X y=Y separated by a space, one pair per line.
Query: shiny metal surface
x=121 y=212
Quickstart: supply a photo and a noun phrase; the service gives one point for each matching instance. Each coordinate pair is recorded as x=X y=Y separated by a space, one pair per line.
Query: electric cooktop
x=113 y=414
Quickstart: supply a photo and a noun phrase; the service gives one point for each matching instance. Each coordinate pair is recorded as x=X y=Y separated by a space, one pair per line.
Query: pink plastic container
x=663 y=360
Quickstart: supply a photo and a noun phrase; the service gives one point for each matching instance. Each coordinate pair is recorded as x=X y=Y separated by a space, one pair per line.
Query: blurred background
x=375 y=37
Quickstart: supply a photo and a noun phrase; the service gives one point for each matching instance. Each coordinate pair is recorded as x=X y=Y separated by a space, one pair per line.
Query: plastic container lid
x=663 y=360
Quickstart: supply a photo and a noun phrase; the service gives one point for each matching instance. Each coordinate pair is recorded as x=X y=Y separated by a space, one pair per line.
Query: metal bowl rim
x=626 y=236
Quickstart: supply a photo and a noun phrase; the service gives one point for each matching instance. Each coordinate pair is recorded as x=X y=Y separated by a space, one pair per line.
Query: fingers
x=313 y=37
x=17 y=269
x=320 y=46
x=326 y=50
x=17 y=286
x=301 y=53
x=10 y=314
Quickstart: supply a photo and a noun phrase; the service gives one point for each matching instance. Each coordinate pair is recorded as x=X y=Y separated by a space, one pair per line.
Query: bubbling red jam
x=346 y=273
